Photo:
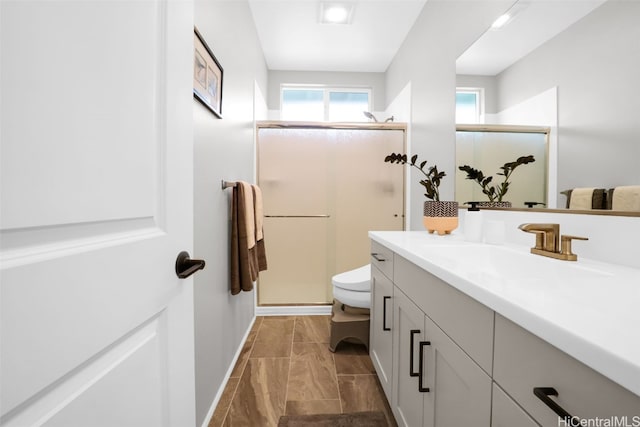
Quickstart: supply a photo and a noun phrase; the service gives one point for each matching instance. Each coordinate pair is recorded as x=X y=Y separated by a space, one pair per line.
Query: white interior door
x=96 y=194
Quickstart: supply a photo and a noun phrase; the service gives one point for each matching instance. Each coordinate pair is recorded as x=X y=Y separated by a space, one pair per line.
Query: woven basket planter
x=440 y=217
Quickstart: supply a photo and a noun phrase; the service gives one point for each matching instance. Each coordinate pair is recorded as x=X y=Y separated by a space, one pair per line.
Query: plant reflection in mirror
x=496 y=193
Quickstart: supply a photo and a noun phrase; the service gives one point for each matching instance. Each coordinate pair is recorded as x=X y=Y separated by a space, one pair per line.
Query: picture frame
x=207 y=76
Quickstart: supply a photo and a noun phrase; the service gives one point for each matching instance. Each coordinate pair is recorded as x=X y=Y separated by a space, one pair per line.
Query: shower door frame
x=270 y=124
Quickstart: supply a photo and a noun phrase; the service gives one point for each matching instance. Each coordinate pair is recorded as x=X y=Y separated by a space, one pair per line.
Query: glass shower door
x=293 y=169
x=323 y=190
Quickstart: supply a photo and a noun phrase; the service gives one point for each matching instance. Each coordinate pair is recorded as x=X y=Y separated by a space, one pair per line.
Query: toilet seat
x=353 y=287
x=358 y=280
x=352 y=298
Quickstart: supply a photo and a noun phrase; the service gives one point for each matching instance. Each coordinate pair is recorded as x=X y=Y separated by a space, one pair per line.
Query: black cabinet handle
x=185 y=266
x=421 y=387
x=411 y=335
x=543 y=394
x=378 y=258
x=384 y=314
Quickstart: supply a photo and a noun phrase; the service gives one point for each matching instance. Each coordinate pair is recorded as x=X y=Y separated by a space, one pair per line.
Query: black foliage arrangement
x=495 y=193
x=432 y=179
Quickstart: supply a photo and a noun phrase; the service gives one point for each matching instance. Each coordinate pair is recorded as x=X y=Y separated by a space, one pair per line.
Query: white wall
x=595 y=65
x=375 y=81
x=427 y=58
x=612 y=239
x=400 y=109
x=223 y=149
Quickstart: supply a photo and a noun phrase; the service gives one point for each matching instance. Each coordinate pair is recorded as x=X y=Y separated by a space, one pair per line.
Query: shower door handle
x=298 y=216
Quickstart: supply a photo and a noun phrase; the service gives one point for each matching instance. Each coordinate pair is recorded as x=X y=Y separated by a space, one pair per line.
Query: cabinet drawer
x=524 y=362
x=382 y=258
x=506 y=413
x=465 y=320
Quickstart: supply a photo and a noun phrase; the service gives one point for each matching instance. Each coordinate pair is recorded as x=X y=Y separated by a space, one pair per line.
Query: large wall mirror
x=571 y=66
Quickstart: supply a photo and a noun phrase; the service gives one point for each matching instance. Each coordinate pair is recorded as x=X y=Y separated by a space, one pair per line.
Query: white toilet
x=353 y=288
x=352 y=302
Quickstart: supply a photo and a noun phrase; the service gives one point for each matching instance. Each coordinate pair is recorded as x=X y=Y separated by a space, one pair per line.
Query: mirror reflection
x=570 y=66
x=489 y=167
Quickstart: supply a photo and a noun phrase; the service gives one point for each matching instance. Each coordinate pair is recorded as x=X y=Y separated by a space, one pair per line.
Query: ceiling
x=293 y=39
x=534 y=23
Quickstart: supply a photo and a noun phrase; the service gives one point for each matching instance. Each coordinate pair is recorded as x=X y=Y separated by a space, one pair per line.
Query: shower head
x=370 y=116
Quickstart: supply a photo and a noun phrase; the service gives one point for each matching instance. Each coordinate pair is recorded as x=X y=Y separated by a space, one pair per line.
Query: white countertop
x=589 y=310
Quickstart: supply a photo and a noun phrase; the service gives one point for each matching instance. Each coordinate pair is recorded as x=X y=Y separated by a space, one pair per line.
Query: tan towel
x=244 y=259
x=581 y=198
x=626 y=198
x=249 y=213
x=259 y=216
x=259 y=211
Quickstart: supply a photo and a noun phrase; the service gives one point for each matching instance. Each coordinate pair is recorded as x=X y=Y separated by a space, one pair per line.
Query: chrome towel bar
x=228 y=184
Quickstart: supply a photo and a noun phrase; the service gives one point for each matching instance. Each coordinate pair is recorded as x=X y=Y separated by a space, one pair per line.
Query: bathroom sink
x=506 y=262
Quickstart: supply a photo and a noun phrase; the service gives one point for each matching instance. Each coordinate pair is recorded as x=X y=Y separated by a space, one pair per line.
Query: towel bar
x=228 y=184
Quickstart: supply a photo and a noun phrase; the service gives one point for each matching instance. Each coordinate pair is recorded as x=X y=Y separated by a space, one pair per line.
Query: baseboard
x=294 y=310
x=216 y=400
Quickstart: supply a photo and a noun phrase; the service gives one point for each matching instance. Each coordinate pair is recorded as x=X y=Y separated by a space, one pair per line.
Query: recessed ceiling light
x=336 y=12
x=503 y=19
x=510 y=14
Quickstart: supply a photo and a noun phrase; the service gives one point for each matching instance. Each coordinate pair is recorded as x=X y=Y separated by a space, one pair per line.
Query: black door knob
x=185 y=266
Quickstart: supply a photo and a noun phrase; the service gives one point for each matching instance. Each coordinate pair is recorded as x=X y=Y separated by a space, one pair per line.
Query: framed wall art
x=207 y=76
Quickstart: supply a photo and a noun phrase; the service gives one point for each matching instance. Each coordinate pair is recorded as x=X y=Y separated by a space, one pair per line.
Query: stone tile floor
x=285 y=367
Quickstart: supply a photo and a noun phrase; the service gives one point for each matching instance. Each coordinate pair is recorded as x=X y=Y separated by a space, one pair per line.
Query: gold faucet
x=549 y=243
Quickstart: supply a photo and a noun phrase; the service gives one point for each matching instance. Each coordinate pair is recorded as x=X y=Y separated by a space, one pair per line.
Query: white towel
x=249 y=214
x=626 y=198
x=581 y=198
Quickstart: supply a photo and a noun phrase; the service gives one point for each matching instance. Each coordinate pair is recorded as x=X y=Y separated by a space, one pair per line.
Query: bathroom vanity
x=472 y=334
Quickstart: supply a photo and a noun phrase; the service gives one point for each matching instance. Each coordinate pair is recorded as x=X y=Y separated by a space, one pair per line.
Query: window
x=324 y=104
x=302 y=104
x=469 y=105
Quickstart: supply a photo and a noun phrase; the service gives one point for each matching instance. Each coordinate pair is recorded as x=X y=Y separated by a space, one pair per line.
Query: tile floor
x=286 y=367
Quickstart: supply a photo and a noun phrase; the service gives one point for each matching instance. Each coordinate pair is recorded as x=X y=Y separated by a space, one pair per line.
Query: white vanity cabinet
x=435 y=384
x=407 y=401
x=458 y=362
x=380 y=337
x=524 y=362
x=507 y=413
x=404 y=334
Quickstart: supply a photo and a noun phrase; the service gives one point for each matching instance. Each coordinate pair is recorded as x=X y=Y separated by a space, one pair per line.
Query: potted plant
x=439 y=216
x=496 y=192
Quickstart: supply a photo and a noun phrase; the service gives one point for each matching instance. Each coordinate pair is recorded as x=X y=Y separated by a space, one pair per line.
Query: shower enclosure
x=324 y=187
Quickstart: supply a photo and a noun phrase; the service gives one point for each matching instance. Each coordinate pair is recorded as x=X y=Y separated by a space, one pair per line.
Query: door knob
x=185 y=266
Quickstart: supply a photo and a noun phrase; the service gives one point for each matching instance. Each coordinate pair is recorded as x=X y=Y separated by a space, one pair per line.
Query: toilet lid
x=354 y=280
